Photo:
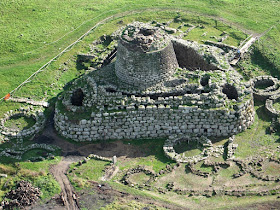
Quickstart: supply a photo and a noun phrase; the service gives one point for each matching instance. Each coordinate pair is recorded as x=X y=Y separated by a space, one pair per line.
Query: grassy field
x=20 y=123
x=49 y=83
x=33 y=32
x=35 y=172
x=257 y=140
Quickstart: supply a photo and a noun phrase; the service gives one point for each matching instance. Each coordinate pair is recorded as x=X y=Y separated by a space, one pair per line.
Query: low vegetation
x=27 y=44
x=35 y=172
x=257 y=140
x=33 y=32
x=20 y=123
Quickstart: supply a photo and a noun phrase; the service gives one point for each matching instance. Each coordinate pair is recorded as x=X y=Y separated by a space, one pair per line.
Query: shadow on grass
x=264 y=63
x=151 y=147
x=189 y=149
x=262 y=114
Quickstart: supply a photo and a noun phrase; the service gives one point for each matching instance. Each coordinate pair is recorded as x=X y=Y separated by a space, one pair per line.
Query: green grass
x=276 y=106
x=7 y=106
x=256 y=140
x=20 y=122
x=210 y=31
x=35 y=172
x=189 y=149
x=48 y=185
x=139 y=178
x=136 y=192
x=200 y=166
x=38 y=174
x=34 y=153
x=90 y=171
x=154 y=156
x=33 y=32
x=130 y=205
x=229 y=172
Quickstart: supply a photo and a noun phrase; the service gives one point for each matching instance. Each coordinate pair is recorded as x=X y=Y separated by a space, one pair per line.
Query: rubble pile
x=24 y=195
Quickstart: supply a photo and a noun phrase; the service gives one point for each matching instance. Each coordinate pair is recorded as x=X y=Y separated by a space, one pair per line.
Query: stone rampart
x=154 y=122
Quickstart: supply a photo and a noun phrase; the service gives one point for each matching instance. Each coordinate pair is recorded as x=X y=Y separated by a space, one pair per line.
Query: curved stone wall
x=153 y=122
x=265 y=87
x=37 y=115
x=192 y=55
x=269 y=106
x=144 y=69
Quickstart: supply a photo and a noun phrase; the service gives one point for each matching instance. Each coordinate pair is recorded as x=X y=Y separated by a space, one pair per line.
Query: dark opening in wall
x=188 y=58
x=146 y=32
x=263 y=84
x=77 y=97
x=109 y=58
x=155 y=96
x=205 y=91
x=110 y=90
x=205 y=80
x=230 y=91
x=175 y=82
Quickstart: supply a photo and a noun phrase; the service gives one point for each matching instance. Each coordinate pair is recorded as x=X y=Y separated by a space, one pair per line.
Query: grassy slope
x=50 y=82
x=47 y=26
x=42 y=23
x=35 y=172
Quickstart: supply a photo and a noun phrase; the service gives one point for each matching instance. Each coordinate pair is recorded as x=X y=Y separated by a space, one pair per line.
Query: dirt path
x=73 y=153
x=68 y=195
x=106 y=194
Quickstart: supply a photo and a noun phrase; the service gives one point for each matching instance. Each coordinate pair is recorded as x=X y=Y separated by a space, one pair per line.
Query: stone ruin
x=158 y=85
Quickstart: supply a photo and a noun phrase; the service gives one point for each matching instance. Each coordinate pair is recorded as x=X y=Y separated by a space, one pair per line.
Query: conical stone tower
x=145 y=56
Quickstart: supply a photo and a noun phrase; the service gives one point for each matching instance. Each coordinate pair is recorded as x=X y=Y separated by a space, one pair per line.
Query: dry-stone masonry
x=30 y=112
x=265 y=87
x=202 y=141
x=269 y=105
x=145 y=94
x=145 y=56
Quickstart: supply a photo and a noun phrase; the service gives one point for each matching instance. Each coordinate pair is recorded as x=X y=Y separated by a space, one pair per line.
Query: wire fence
x=69 y=46
x=80 y=38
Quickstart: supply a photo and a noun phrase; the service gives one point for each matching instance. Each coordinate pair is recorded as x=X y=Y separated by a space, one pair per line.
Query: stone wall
x=265 y=87
x=193 y=56
x=29 y=112
x=270 y=109
x=153 y=122
x=142 y=69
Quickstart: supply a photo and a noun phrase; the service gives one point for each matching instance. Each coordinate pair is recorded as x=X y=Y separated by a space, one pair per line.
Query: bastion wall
x=156 y=121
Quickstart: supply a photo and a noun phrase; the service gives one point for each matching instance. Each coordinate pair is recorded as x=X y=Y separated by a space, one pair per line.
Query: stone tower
x=145 y=56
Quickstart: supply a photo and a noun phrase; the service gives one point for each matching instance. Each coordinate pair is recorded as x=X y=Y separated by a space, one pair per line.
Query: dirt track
x=97 y=197
x=68 y=195
x=74 y=153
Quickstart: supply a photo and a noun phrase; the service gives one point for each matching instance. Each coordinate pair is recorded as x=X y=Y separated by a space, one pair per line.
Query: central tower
x=145 y=56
